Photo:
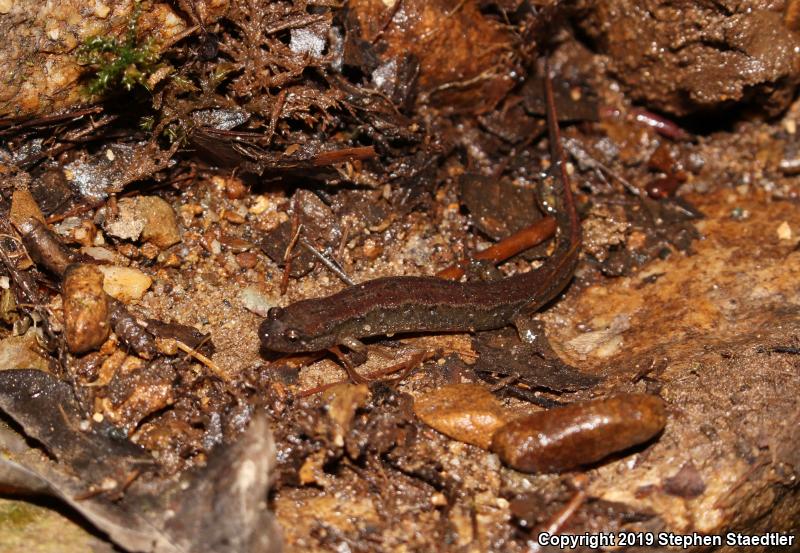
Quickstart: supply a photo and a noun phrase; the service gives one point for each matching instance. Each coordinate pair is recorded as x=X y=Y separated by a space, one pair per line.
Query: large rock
x=682 y=57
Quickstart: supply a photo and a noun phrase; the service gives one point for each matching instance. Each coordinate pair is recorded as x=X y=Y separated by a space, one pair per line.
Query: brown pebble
x=687 y=482
x=128 y=250
x=247 y=260
x=86 y=310
x=236 y=245
x=150 y=251
x=235 y=188
x=371 y=250
x=210 y=236
x=84 y=234
x=233 y=217
x=160 y=226
x=170 y=260
x=579 y=434
x=465 y=412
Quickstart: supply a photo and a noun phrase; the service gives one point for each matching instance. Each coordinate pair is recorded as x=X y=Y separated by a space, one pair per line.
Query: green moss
x=120 y=63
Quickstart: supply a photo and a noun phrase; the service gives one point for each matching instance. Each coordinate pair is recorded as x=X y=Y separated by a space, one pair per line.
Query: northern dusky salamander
x=428 y=304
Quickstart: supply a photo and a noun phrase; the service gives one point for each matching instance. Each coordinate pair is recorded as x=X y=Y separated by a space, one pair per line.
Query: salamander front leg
x=348 y=366
x=354 y=344
x=532 y=331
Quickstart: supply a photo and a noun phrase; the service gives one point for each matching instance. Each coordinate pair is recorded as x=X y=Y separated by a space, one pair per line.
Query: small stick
x=329 y=263
x=294 y=361
x=721 y=503
x=273 y=120
x=661 y=125
x=287 y=255
x=587 y=160
x=17 y=124
x=346 y=154
x=73 y=212
x=204 y=360
x=508 y=247
x=558 y=520
x=786 y=349
x=343 y=241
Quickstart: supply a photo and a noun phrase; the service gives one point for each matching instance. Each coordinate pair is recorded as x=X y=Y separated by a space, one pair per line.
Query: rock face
x=683 y=57
x=39 y=68
x=464 y=60
x=147 y=217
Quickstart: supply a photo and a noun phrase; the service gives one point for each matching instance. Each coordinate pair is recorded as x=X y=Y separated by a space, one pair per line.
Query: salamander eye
x=292 y=335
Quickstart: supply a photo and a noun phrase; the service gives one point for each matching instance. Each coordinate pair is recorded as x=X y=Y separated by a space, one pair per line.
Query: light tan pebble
x=468 y=413
x=161 y=226
x=125 y=284
x=784 y=231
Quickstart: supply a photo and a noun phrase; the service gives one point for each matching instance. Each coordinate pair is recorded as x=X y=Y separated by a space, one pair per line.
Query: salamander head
x=280 y=333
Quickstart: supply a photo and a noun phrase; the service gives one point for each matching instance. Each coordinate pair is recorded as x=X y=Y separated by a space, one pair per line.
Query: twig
x=588 y=161
x=204 y=360
x=508 y=247
x=557 y=522
x=287 y=255
x=329 y=263
x=48 y=120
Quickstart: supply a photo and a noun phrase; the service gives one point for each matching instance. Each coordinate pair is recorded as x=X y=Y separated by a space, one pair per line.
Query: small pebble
x=784 y=231
x=161 y=226
x=254 y=299
x=148 y=218
x=233 y=217
x=128 y=250
x=469 y=413
x=170 y=260
x=260 y=205
x=86 y=316
x=149 y=251
x=235 y=188
x=101 y=254
x=85 y=233
x=125 y=284
x=371 y=250
x=247 y=260
x=126 y=223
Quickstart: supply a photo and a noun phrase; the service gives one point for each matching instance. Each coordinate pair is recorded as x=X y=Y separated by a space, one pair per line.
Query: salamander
x=428 y=304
